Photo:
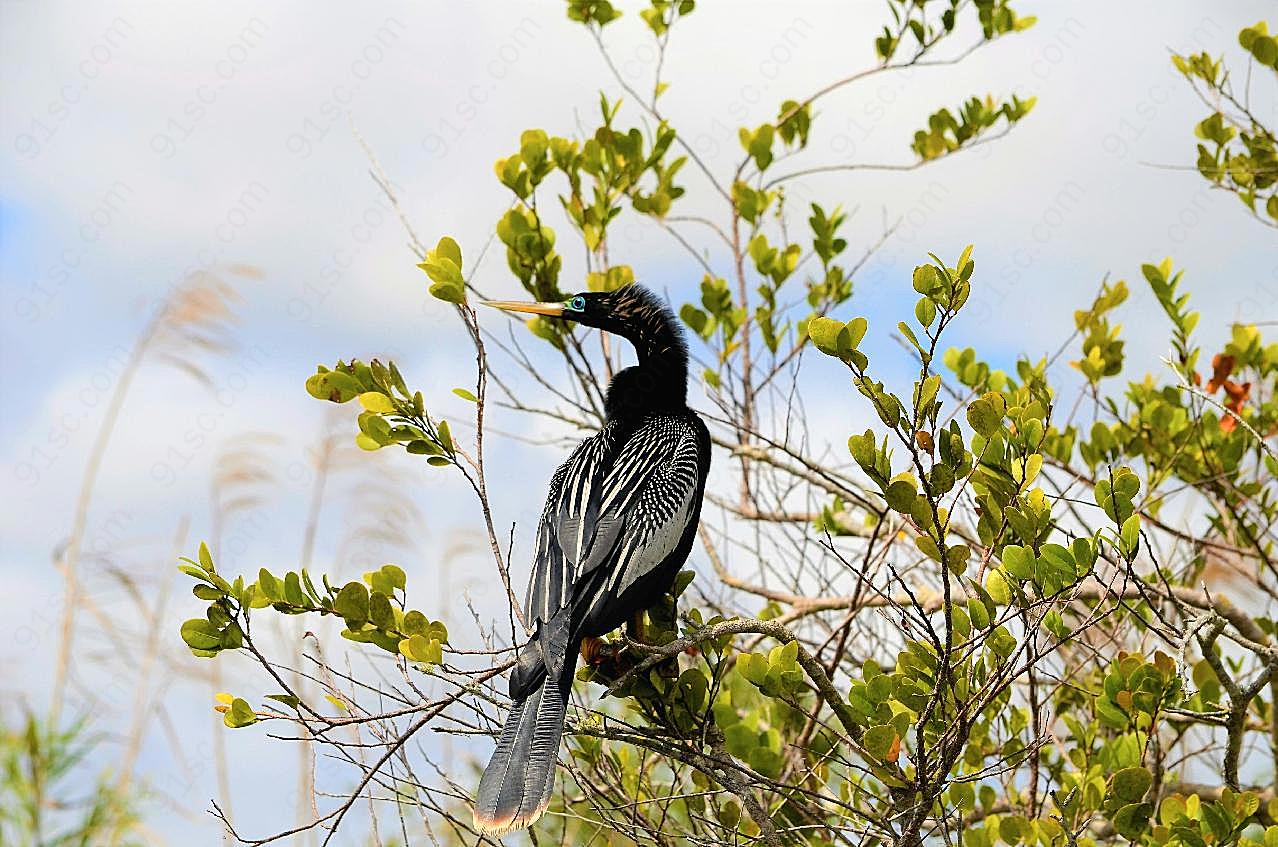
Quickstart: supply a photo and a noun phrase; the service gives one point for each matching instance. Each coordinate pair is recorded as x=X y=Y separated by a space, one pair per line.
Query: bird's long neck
x=659 y=382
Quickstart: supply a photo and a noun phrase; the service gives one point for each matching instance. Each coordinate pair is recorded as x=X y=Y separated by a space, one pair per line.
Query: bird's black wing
x=647 y=501
x=613 y=514
x=566 y=530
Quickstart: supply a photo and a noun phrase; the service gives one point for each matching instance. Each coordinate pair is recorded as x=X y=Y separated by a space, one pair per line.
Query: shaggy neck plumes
x=659 y=383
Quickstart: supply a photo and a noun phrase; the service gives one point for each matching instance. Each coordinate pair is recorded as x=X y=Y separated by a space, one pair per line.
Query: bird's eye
x=577 y=304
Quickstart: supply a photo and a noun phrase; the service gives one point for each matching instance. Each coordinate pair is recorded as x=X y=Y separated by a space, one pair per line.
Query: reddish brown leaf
x=1221 y=367
x=1238 y=394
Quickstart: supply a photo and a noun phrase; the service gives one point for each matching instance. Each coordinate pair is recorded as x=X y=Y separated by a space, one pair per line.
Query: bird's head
x=632 y=311
x=642 y=318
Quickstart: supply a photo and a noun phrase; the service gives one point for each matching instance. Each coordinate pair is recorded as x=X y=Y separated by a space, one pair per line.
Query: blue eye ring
x=577 y=304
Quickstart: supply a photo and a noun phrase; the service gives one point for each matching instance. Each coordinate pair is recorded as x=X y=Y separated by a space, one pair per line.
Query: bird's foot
x=595 y=651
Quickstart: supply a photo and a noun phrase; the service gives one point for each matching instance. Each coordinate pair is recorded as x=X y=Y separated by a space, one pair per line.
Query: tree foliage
x=1237 y=152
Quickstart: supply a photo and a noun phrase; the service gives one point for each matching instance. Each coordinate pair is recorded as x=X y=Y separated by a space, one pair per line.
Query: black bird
x=618 y=524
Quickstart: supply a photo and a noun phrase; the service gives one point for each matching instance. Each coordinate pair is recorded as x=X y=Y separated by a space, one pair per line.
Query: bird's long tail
x=516 y=786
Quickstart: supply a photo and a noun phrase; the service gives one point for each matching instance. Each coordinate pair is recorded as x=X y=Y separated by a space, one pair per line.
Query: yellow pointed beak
x=553 y=309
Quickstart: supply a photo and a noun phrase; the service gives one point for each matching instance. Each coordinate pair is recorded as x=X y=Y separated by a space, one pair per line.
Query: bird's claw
x=595 y=651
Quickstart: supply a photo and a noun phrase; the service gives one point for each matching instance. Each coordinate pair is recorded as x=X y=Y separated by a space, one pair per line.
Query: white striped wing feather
x=626 y=515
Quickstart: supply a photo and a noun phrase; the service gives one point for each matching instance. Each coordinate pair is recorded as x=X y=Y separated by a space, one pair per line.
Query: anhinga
x=618 y=523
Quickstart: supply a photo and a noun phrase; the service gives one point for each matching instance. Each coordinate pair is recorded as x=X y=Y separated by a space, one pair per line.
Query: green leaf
x=418 y=648
x=444 y=267
x=985 y=414
x=1013 y=829
x=207 y=592
x=881 y=742
x=206 y=558
x=925 y=311
x=927 y=391
x=352 y=602
x=232 y=637
x=996 y=585
x=1019 y=561
x=240 y=714
x=449 y=249
x=956 y=557
x=681 y=582
x=375 y=401
x=753 y=667
x=1130 y=784
x=1059 y=561
x=465 y=395
x=449 y=292
x=395 y=575
x=1084 y=553
x=863 y=448
x=1033 y=465
x=269 y=585
x=927 y=279
x=599 y=12
x=533 y=144
x=784 y=657
x=1129 y=536
x=1132 y=820
x=900 y=496
x=750 y=203
x=293 y=593
x=445 y=436
x=443 y=270
x=202 y=636
x=377 y=581
x=422 y=447
x=1265 y=49
x=759 y=144
x=835 y=338
x=415 y=623
x=857 y=328
x=979 y=615
x=928 y=546
x=334 y=386
x=194 y=571
x=380 y=614
x=911 y=337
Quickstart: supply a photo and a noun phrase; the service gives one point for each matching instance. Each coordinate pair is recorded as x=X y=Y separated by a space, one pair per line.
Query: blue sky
x=144 y=140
